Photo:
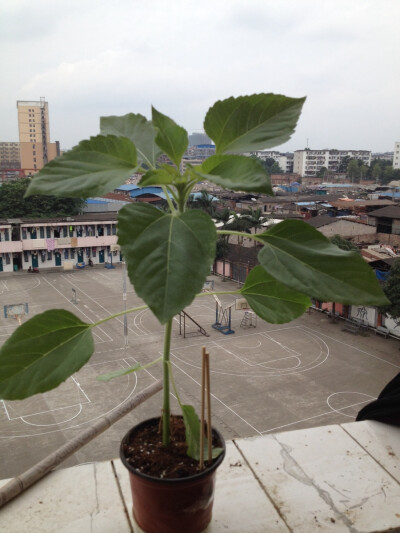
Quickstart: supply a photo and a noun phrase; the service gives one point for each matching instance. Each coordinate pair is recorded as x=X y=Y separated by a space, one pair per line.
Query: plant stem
x=240 y=234
x=166 y=407
x=121 y=313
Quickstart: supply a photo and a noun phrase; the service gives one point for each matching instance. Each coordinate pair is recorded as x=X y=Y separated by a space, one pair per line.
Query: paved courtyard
x=265 y=378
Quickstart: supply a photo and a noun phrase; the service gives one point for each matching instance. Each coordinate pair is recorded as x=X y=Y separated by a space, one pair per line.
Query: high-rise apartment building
x=199 y=138
x=10 y=155
x=396 y=155
x=309 y=162
x=34 y=135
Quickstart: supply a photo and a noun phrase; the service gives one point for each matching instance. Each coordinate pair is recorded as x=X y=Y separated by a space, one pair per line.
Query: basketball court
x=264 y=377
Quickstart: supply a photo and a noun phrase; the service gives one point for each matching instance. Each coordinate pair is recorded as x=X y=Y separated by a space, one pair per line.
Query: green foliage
x=13 y=204
x=42 y=353
x=392 y=290
x=236 y=172
x=301 y=257
x=169 y=254
x=344 y=244
x=157 y=246
x=92 y=168
x=271 y=300
x=249 y=123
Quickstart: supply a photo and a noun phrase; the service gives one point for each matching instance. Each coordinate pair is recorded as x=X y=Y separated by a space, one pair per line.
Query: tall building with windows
x=396 y=155
x=309 y=162
x=34 y=135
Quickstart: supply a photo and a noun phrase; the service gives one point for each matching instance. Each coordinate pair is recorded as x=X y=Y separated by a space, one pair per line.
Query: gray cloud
x=94 y=58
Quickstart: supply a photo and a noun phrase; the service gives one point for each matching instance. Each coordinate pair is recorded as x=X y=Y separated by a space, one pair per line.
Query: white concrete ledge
x=341 y=478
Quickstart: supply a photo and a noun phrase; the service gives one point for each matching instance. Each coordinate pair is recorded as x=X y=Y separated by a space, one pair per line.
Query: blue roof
x=128 y=187
x=93 y=201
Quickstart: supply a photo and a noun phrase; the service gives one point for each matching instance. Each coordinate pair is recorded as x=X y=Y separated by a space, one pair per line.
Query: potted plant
x=169 y=254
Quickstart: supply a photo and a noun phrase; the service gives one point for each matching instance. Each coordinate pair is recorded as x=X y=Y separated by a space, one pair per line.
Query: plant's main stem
x=166 y=406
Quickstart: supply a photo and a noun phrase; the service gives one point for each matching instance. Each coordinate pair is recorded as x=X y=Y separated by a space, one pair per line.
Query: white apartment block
x=284 y=160
x=309 y=162
x=396 y=155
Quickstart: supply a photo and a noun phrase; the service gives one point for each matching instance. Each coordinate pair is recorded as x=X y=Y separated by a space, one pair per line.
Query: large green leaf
x=299 y=256
x=94 y=167
x=271 y=300
x=252 y=122
x=236 y=172
x=168 y=255
x=42 y=353
x=171 y=138
x=139 y=130
x=161 y=176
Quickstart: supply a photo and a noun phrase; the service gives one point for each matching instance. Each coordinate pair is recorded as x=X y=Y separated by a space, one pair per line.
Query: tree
x=205 y=202
x=376 y=172
x=353 y=170
x=322 y=172
x=392 y=290
x=13 y=204
x=255 y=218
x=344 y=244
x=344 y=163
x=270 y=165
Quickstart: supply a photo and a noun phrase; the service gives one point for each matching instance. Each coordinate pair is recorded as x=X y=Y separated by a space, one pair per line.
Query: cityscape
x=200 y=276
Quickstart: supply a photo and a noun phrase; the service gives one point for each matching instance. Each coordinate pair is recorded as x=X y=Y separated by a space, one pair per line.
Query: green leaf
x=120 y=372
x=168 y=255
x=92 y=168
x=253 y=122
x=171 y=138
x=139 y=130
x=42 y=353
x=192 y=431
x=160 y=176
x=192 y=434
x=236 y=172
x=300 y=257
x=271 y=300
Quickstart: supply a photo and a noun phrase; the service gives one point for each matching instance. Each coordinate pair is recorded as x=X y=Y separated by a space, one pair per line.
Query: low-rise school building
x=59 y=243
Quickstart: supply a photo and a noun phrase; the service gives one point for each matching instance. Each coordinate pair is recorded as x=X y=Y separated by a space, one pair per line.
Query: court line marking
x=218 y=400
x=370 y=399
x=311 y=417
x=118 y=319
x=276 y=372
x=351 y=346
x=78 y=309
x=128 y=376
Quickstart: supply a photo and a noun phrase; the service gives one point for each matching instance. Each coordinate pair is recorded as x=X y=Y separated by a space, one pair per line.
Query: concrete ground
x=264 y=379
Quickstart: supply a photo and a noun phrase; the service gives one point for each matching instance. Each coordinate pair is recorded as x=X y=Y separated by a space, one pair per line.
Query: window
x=65 y=231
x=66 y=253
x=48 y=232
x=41 y=230
x=49 y=255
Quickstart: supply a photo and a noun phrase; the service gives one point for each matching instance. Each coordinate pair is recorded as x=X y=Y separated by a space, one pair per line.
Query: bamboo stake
x=209 y=436
x=203 y=383
x=18 y=484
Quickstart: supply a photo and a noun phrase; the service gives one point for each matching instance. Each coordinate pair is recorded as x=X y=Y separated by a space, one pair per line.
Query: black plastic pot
x=172 y=505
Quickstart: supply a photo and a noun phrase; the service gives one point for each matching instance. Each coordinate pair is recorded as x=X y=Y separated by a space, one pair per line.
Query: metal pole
x=124 y=300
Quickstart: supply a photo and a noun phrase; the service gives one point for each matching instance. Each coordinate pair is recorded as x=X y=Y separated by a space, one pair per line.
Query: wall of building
x=55 y=244
x=396 y=155
x=346 y=229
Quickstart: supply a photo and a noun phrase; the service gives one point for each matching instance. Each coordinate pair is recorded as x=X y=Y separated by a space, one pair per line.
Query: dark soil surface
x=146 y=453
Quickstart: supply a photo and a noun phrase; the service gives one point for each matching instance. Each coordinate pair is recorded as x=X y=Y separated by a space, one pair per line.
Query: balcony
x=337 y=478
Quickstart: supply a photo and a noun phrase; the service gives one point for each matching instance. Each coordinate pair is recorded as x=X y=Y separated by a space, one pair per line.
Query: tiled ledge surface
x=342 y=478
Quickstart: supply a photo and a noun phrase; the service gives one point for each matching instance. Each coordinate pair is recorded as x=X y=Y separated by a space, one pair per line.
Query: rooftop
x=338 y=478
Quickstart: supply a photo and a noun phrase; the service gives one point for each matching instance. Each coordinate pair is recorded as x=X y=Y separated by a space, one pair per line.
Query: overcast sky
x=94 y=57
